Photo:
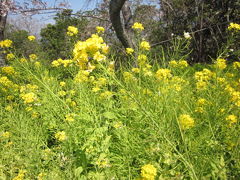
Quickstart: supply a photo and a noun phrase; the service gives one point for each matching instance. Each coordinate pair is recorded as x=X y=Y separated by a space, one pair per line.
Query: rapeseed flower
x=61 y=136
x=21 y=175
x=236 y=65
x=72 y=31
x=148 y=172
x=163 y=74
x=142 y=59
x=100 y=29
x=33 y=56
x=129 y=50
x=10 y=56
x=138 y=26
x=6 y=43
x=234 y=26
x=145 y=45
x=186 y=121
x=220 y=64
x=70 y=117
x=62 y=84
x=8 y=70
x=29 y=97
x=31 y=38
x=232 y=119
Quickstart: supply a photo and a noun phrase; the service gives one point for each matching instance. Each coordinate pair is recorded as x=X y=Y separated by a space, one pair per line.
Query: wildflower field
x=84 y=118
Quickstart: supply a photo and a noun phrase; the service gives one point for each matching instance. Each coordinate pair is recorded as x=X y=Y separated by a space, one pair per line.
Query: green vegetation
x=82 y=118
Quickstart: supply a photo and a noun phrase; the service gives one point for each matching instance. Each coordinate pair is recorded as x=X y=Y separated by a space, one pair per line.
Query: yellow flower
x=232 y=119
x=62 y=84
x=145 y=45
x=142 y=59
x=20 y=175
x=136 y=70
x=72 y=31
x=148 y=172
x=220 y=64
x=70 y=117
x=106 y=94
x=183 y=64
x=62 y=93
x=129 y=50
x=173 y=63
x=37 y=64
x=100 y=29
x=31 y=38
x=61 y=136
x=6 y=43
x=186 y=122
x=236 y=65
x=33 y=56
x=6 y=134
x=22 y=60
x=234 y=26
x=10 y=56
x=29 y=97
x=99 y=57
x=8 y=70
x=163 y=74
x=96 y=89
x=128 y=76
x=201 y=85
x=138 y=26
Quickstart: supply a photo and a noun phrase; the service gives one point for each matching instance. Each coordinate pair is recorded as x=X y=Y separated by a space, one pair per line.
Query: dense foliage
x=80 y=118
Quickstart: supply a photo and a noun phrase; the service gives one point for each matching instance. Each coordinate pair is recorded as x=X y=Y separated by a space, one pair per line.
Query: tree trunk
x=128 y=22
x=3 y=19
x=114 y=11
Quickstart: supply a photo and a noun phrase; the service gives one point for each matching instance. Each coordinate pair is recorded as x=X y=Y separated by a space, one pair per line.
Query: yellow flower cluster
x=60 y=62
x=128 y=77
x=31 y=38
x=186 y=121
x=20 y=175
x=138 y=26
x=106 y=95
x=8 y=70
x=61 y=136
x=72 y=31
x=29 y=97
x=142 y=59
x=163 y=74
x=200 y=105
x=129 y=50
x=82 y=76
x=220 y=64
x=70 y=117
x=234 y=26
x=178 y=64
x=10 y=56
x=145 y=45
x=100 y=29
x=94 y=47
x=33 y=57
x=232 y=119
x=236 y=65
x=6 y=134
x=148 y=172
x=8 y=83
x=202 y=78
x=6 y=43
